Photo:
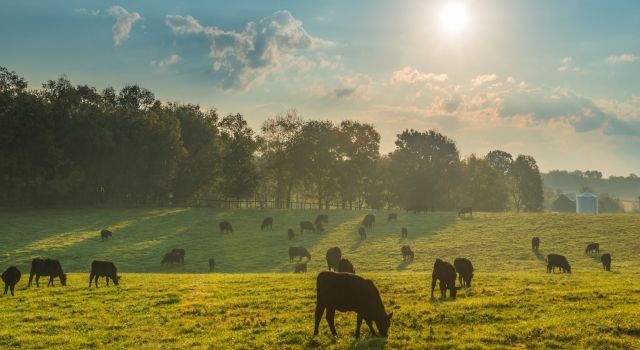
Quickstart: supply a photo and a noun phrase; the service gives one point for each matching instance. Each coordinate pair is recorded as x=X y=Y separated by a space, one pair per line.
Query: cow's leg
x=318 y=317
x=460 y=279
x=371 y=329
x=108 y=281
x=38 y=281
x=50 y=281
x=443 y=290
x=30 y=279
x=331 y=314
x=90 y=279
x=358 y=324
x=13 y=287
x=6 y=286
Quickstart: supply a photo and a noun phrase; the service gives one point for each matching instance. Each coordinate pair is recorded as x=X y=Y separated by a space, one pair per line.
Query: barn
x=565 y=203
x=587 y=203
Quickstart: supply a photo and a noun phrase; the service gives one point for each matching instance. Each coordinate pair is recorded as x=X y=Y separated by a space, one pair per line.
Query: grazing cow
x=465 y=210
x=592 y=248
x=333 y=258
x=212 y=264
x=404 y=233
x=559 y=261
x=346 y=266
x=349 y=292
x=320 y=226
x=105 y=234
x=225 y=227
x=291 y=234
x=181 y=253
x=369 y=221
x=307 y=225
x=407 y=253
x=392 y=216
x=535 y=243
x=605 y=258
x=11 y=277
x=46 y=267
x=299 y=252
x=322 y=217
x=300 y=268
x=170 y=258
x=362 y=232
x=267 y=223
x=103 y=269
x=446 y=273
x=464 y=267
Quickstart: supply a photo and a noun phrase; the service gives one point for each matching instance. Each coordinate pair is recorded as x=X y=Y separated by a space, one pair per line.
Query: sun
x=454 y=18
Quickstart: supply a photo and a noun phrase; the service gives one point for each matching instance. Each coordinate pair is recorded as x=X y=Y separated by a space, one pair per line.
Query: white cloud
x=408 y=75
x=86 y=12
x=567 y=65
x=624 y=58
x=482 y=79
x=171 y=60
x=124 y=23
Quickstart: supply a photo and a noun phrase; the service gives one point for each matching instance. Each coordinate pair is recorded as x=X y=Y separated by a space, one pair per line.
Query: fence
x=269 y=204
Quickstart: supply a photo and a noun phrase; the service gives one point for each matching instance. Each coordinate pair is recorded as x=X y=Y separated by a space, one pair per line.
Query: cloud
x=243 y=58
x=86 y=12
x=624 y=58
x=482 y=79
x=171 y=60
x=446 y=104
x=124 y=23
x=408 y=75
x=567 y=65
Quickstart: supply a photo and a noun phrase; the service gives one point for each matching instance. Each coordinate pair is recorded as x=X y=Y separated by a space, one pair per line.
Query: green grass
x=254 y=302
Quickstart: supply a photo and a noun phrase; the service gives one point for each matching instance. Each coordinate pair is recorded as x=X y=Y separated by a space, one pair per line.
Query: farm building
x=565 y=203
x=587 y=203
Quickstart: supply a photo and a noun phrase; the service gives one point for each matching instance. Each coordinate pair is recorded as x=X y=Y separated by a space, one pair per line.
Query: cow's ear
x=389 y=316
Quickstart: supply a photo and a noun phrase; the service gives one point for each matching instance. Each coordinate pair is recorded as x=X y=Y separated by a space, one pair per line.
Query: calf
x=333 y=258
x=322 y=217
x=181 y=253
x=46 y=267
x=446 y=274
x=170 y=258
x=212 y=264
x=404 y=232
x=300 y=252
x=11 y=277
x=407 y=253
x=592 y=248
x=346 y=266
x=465 y=210
x=267 y=223
x=307 y=225
x=105 y=234
x=392 y=216
x=605 y=258
x=464 y=267
x=559 y=261
x=225 y=227
x=103 y=269
x=291 y=234
x=535 y=243
x=362 y=232
x=349 y=292
x=300 y=268
x=369 y=221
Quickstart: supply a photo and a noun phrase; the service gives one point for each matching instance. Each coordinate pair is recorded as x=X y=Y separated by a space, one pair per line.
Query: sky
x=558 y=80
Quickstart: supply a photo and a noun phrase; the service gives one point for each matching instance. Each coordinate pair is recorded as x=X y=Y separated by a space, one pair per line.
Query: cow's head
x=383 y=324
x=63 y=279
x=116 y=281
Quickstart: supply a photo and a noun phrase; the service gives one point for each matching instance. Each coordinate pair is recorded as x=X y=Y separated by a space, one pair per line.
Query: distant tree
x=485 y=188
x=240 y=174
x=608 y=204
x=526 y=184
x=500 y=160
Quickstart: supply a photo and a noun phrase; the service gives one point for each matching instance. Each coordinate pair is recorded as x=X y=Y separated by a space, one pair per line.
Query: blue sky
x=559 y=80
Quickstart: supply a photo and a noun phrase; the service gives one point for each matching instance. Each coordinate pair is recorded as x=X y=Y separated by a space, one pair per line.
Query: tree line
x=65 y=144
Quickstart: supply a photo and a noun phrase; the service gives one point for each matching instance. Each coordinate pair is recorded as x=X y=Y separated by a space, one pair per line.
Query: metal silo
x=587 y=203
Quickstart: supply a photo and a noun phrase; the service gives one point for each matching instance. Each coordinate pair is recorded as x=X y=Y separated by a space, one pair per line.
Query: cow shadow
x=368 y=343
x=539 y=255
x=356 y=244
x=403 y=265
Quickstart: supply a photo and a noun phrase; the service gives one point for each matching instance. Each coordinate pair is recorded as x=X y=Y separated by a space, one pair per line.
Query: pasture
x=253 y=300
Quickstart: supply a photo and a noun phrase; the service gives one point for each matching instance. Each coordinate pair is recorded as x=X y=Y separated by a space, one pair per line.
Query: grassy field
x=253 y=301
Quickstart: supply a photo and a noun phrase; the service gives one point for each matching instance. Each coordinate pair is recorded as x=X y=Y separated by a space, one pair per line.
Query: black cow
x=349 y=292
x=465 y=210
x=212 y=264
x=404 y=232
x=291 y=234
x=11 y=277
x=103 y=269
x=181 y=253
x=333 y=258
x=46 y=267
x=300 y=268
x=605 y=258
x=346 y=266
x=392 y=216
x=105 y=234
x=464 y=267
x=299 y=252
x=446 y=274
x=170 y=258
x=320 y=226
x=535 y=243
x=592 y=248
x=322 y=217
x=307 y=225
x=225 y=227
x=267 y=223
x=369 y=221
x=559 y=261
x=407 y=253
x=362 y=232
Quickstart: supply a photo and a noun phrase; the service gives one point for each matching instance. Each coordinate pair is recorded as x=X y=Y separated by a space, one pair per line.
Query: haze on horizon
x=556 y=80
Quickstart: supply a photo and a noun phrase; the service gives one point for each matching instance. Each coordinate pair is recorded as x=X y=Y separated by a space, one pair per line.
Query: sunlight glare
x=454 y=18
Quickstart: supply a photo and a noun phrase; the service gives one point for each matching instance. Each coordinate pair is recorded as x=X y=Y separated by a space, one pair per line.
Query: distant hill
x=627 y=188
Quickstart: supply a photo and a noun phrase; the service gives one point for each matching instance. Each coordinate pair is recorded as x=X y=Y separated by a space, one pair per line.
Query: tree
x=485 y=187
x=526 y=184
x=500 y=160
x=240 y=175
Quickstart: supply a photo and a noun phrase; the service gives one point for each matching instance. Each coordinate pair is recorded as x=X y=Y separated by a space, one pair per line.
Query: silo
x=587 y=203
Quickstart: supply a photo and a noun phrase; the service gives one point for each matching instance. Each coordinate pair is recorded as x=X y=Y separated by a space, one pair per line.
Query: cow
x=320 y=226
x=212 y=264
x=362 y=232
x=46 y=267
x=605 y=258
x=170 y=258
x=592 y=248
x=446 y=274
x=225 y=227
x=103 y=269
x=369 y=221
x=105 y=234
x=559 y=261
x=407 y=253
x=392 y=216
x=11 y=277
x=267 y=223
x=464 y=267
x=307 y=225
x=404 y=232
x=291 y=234
x=299 y=252
x=349 y=292
x=333 y=258
x=535 y=243
x=181 y=252
x=464 y=211
x=346 y=266
x=322 y=217
x=300 y=268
